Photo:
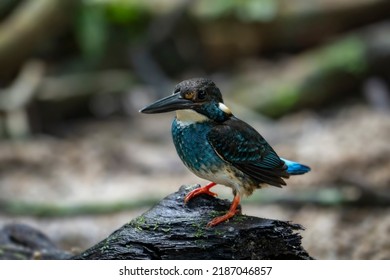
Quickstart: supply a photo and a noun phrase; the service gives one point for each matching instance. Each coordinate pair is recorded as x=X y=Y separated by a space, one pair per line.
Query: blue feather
x=295 y=168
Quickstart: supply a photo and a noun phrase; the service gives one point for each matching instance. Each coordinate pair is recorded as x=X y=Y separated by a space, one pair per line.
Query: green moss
x=199 y=230
x=138 y=223
x=215 y=214
x=105 y=247
x=219 y=232
x=199 y=234
x=155 y=227
x=166 y=230
x=240 y=218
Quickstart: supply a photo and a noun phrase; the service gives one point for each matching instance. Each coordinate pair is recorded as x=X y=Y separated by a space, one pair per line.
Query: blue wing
x=242 y=146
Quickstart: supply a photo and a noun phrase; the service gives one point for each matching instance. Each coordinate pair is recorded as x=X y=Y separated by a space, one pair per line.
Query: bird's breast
x=190 y=140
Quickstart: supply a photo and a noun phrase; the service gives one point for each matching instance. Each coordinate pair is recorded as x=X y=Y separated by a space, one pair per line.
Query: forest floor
x=110 y=163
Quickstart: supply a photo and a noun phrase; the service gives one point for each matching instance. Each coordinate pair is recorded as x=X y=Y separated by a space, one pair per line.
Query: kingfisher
x=217 y=146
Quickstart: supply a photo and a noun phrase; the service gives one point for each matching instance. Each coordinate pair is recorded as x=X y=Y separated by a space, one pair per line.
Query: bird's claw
x=196 y=192
x=222 y=218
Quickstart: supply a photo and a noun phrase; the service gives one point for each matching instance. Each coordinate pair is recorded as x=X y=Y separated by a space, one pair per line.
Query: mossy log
x=173 y=230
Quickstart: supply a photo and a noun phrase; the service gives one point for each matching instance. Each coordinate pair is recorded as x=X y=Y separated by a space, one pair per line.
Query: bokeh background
x=77 y=160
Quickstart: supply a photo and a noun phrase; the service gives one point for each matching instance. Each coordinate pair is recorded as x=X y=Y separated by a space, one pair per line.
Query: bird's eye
x=177 y=90
x=202 y=94
x=189 y=95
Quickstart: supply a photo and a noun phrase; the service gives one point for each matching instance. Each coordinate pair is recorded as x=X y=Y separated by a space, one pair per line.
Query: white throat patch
x=224 y=108
x=190 y=116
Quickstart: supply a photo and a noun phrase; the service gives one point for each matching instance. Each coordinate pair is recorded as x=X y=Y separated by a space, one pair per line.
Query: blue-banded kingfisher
x=217 y=146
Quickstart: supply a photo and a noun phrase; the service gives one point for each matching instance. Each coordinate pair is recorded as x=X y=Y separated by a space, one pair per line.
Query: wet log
x=22 y=242
x=173 y=230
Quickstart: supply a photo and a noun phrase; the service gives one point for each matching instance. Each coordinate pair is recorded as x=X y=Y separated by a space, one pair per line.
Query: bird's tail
x=295 y=168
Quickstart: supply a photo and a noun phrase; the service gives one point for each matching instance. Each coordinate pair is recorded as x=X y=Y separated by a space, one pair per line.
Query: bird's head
x=197 y=98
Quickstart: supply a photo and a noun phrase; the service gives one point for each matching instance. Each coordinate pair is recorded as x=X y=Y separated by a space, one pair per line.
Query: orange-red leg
x=201 y=190
x=232 y=211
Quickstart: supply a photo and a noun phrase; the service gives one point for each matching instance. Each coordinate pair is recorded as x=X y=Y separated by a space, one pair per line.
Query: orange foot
x=201 y=190
x=232 y=211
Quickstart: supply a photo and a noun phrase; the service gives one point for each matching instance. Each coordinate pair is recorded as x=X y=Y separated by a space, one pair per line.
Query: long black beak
x=168 y=104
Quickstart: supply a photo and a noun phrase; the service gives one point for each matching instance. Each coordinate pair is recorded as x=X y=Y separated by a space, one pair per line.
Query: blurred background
x=77 y=160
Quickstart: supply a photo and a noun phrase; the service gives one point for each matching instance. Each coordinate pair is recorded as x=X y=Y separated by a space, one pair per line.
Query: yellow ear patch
x=189 y=95
x=225 y=108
